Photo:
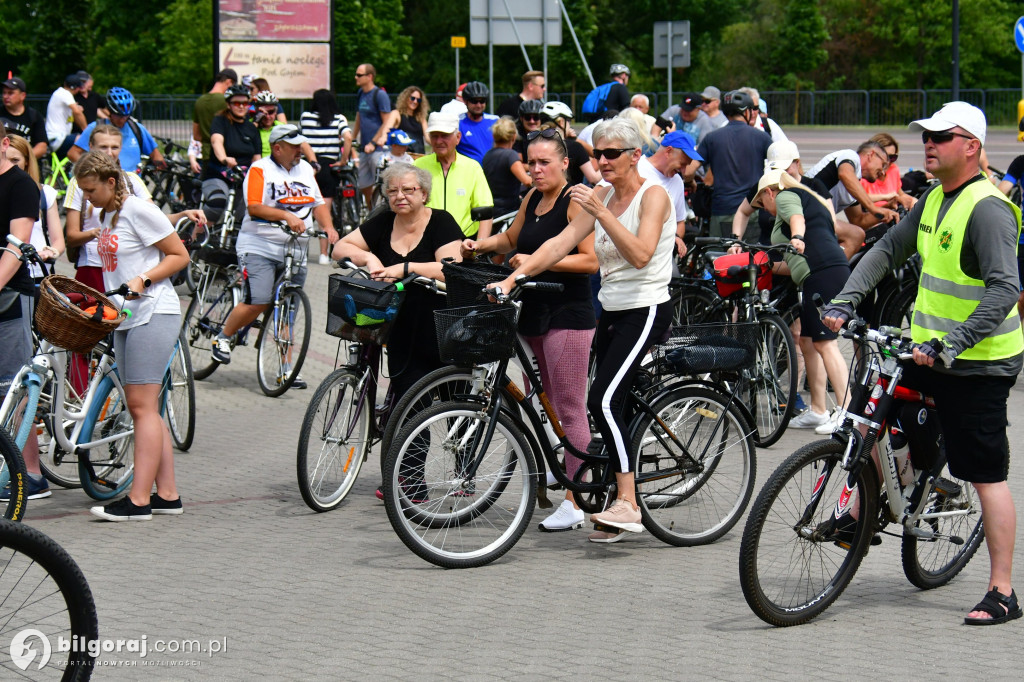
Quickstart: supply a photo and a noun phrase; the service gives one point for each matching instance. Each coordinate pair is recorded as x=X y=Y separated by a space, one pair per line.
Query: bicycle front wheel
x=334 y=440
x=793 y=566
x=44 y=592
x=107 y=468
x=454 y=500
x=180 y=397
x=958 y=532
x=769 y=388
x=12 y=473
x=213 y=301
x=283 y=342
x=695 y=466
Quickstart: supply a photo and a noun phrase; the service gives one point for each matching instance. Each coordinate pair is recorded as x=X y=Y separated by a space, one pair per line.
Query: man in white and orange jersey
x=281 y=188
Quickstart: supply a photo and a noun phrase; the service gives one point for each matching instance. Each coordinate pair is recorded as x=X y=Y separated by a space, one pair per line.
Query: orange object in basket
x=108 y=312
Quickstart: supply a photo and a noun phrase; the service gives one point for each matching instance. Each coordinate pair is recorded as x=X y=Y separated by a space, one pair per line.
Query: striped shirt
x=323 y=140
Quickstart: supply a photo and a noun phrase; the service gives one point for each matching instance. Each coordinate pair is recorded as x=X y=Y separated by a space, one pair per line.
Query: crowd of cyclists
x=605 y=209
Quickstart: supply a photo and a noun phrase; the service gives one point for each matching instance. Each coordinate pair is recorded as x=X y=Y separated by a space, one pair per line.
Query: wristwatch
x=146 y=281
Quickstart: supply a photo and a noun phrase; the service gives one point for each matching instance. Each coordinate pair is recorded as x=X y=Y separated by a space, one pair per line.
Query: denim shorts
x=259 y=274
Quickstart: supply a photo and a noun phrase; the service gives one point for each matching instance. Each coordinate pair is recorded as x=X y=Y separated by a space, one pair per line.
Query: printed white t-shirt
x=89 y=256
x=294 y=190
x=127 y=250
x=59 y=117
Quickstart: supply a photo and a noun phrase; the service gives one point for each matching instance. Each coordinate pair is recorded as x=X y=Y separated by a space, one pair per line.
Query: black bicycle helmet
x=531 y=106
x=236 y=91
x=475 y=90
x=735 y=102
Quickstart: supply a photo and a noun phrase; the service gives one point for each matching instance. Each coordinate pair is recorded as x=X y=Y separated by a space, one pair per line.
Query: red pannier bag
x=731 y=272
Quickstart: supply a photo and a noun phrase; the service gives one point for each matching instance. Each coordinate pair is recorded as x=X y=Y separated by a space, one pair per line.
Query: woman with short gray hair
x=634 y=225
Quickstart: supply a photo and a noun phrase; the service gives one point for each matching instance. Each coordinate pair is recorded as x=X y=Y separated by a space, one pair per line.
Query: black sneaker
x=221 y=350
x=123 y=510
x=299 y=383
x=36 y=490
x=161 y=506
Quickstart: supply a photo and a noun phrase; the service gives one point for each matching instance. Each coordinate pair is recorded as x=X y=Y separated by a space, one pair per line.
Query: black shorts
x=972 y=414
x=826 y=283
x=326 y=180
x=1020 y=265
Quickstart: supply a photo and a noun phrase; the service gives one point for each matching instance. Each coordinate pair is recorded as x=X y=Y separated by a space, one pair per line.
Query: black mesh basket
x=216 y=256
x=351 y=300
x=476 y=334
x=702 y=348
x=464 y=282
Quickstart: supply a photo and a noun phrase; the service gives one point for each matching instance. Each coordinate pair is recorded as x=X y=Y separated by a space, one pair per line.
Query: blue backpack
x=594 y=104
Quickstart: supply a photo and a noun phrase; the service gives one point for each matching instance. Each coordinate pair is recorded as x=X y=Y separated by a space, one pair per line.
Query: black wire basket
x=703 y=348
x=476 y=334
x=464 y=282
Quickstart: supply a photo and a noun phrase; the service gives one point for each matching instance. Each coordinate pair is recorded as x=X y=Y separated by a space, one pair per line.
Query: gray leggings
x=142 y=352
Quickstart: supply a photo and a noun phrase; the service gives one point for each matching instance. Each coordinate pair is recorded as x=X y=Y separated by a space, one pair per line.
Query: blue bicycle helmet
x=120 y=101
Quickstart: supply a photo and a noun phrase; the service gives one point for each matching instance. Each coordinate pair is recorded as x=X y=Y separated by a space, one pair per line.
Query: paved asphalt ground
x=295 y=595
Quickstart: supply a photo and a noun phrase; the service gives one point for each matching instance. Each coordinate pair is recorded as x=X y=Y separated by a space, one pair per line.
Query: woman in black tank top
x=560 y=327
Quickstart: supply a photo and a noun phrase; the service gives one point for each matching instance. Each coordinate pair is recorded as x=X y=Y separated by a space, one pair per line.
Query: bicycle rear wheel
x=283 y=341
x=107 y=469
x=445 y=516
x=933 y=562
x=180 y=397
x=12 y=473
x=334 y=440
x=694 y=491
x=45 y=597
x=769 y=388
x=213 y=301
x=792 y=567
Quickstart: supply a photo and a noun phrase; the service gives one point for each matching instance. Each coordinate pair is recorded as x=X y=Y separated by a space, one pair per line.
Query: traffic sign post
x=458 y=42
x=1018 y=39
x=671 y=47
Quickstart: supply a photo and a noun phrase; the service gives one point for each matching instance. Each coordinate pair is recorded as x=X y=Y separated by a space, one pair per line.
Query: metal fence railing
x=171 y=115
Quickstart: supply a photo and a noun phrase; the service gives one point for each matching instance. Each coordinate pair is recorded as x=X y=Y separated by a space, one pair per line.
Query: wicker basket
x=465 y=281
x=702 y=348
x=476 y=334
x=64 y=324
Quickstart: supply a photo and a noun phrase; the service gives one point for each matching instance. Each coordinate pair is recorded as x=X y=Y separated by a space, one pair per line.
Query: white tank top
x=623 y=286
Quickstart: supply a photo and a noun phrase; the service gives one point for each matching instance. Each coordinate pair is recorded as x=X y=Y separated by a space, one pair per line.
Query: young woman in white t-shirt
x=137 y=245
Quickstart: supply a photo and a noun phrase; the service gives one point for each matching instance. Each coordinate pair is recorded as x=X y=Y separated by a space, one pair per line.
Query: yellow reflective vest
x=946 y=296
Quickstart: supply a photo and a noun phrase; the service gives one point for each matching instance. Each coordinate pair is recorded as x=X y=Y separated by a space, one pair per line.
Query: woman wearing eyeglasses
x=235 y=142
x=410 y=115
x=559 y=328
x=634 y=224
x=409 y=238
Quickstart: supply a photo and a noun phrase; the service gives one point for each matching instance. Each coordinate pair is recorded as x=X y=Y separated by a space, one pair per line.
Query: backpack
x=594 y=104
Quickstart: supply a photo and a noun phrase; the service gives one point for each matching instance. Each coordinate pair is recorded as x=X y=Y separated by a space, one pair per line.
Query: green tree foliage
x=371 y=31
x=38 y=43
x=796 y=47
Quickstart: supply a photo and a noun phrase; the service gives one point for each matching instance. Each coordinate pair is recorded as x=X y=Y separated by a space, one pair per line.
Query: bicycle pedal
x=946 y=487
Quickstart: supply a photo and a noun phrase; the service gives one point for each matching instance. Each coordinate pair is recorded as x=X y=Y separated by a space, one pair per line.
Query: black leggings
x=622 y=339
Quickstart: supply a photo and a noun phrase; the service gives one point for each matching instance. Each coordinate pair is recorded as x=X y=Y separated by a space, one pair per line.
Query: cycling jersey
x=477 y=138
x=294 y=190
x=132 y=148
x=461 y=190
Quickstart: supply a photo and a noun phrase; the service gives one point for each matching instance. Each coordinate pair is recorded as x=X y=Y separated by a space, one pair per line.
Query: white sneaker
x=809 y=420
x=834 y=420
x=325 y=259
x=566 y=517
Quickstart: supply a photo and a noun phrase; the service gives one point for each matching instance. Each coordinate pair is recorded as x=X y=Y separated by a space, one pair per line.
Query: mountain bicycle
x=343 y=420
x=347 y=210
x=45 y=598
x=55 y=174
x=461 y=477
x=742 y=291
x=813 y=522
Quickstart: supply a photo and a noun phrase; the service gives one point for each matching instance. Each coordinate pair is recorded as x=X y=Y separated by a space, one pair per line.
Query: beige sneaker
x=622 y=514
x=606 y=538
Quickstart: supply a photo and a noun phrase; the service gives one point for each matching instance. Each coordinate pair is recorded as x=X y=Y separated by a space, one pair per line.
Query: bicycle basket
x=476 y=334
x=360 y=309
x=465 y=281
x=217 y=256
x=729 y=283
x=64 y=323
x=701 y=348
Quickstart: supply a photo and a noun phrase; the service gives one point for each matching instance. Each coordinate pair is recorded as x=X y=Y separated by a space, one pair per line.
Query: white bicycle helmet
x=556 y=110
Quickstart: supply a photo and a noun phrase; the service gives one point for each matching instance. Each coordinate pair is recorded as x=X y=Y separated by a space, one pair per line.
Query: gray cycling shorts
x=142 y=353
x=15 y=342
x=260 y=273
x=368 y=168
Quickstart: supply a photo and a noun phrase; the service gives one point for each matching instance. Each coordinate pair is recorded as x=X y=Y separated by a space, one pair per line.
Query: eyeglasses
x=405 y=191
x=882 y=156
x=288 y=136
x=941 y=137
x=268 y=110
x=415 y=99
x=476 y=100
x=611 y=154
x=548 y=134
x=360 y=75
x=893 y=158
x=530 y=117
x=239 y=103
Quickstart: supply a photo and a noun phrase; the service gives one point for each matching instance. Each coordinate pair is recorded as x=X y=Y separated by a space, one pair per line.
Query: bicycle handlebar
x=522 y=283
x=746 y=246
x=28 y=252
x=426 y=282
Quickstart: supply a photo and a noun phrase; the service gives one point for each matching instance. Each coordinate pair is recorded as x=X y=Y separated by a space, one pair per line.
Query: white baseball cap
x=781 y=155
x=952 y=115
x=440 y=122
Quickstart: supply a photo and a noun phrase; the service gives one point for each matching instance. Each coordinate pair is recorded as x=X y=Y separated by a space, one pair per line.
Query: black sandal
x=997 y=605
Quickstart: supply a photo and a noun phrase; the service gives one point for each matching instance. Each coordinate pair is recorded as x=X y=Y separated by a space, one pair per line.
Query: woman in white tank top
x=634 y=225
